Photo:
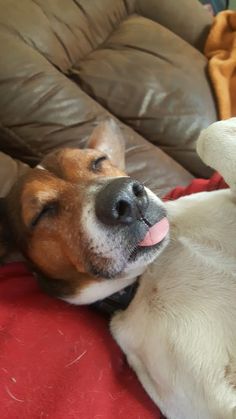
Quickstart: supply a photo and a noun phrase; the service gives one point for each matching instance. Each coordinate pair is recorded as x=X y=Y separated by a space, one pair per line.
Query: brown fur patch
x=230 y=373
x=74 y=165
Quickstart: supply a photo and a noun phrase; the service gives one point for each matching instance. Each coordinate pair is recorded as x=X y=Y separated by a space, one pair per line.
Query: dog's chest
x=174 y=338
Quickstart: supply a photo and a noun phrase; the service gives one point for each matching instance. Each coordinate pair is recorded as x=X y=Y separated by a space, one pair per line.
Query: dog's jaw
x=99 y=290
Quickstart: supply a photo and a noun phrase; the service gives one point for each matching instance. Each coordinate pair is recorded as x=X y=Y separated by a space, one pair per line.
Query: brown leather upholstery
x=67 y=63
x=10 y=170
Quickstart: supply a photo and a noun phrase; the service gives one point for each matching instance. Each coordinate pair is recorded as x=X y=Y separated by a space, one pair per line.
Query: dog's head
x=81 y=220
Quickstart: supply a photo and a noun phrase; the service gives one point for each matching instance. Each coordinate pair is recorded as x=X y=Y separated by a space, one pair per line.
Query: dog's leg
x=217 y=148
x=120 y=330
x=146 y=381
x=121 y=327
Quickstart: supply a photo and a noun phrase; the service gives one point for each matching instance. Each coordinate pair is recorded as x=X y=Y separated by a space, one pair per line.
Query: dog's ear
x=6 y=244
x=107 y=138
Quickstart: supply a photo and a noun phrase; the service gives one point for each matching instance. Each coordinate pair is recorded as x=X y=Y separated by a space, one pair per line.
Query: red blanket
x=60 y=362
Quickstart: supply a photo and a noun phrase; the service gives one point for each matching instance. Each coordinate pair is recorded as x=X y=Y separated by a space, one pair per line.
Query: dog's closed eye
x=48 y=210
x=96 y=165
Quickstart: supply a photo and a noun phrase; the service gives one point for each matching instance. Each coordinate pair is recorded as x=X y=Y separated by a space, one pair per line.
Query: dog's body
x=91 y=231
x=179 y=332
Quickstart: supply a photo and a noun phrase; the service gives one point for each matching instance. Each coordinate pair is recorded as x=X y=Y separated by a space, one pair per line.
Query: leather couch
x=68 y=64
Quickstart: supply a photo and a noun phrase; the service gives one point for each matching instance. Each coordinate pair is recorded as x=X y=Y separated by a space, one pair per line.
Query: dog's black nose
x=121 y=201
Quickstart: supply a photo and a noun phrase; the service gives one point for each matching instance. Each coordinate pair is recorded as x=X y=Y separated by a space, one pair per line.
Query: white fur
x=100 y=290
x=179 y=332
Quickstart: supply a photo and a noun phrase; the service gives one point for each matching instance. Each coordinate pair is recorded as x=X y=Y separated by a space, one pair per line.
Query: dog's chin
x=143 y=256
x=135 y=262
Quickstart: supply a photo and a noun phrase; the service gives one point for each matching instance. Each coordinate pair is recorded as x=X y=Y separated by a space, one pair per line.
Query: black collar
x=118 y=301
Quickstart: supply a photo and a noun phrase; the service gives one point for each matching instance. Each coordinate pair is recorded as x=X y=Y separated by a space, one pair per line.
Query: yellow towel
x=220 y=49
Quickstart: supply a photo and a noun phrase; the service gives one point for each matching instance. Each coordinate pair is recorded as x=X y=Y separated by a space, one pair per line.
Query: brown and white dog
x=90 y=230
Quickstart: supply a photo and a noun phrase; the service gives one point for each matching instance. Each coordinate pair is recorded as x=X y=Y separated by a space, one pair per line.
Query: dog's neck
x=119 y=300
x=104 y=293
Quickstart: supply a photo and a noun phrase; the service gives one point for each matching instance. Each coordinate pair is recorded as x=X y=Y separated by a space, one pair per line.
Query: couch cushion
x=186 y=18
x=41 y=108
x=155 y=82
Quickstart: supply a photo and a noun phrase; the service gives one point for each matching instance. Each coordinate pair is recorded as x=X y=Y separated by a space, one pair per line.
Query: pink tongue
x=156 y=233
